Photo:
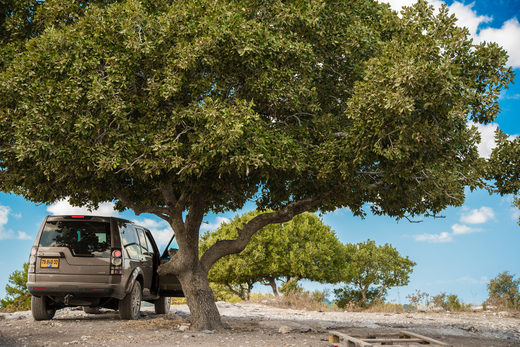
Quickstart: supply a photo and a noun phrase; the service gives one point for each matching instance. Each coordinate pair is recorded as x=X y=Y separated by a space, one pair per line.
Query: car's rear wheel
x=162 y=305
x=40 y=308
x=91 y=310
x=130 y=306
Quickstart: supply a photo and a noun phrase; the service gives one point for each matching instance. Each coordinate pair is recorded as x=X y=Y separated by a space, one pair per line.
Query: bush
x=222 y=293
x=349 y=296
x=300 y=300
x=18 y=297
x=449 y=302
x=290 y=286
x=419 y=298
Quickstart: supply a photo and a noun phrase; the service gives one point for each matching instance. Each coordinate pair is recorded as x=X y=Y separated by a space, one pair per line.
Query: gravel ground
x=253 y=324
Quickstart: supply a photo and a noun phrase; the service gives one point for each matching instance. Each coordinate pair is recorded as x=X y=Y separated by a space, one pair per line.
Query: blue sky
x=458 y=254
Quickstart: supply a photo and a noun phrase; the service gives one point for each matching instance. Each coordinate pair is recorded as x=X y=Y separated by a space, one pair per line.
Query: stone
x=183 y=327
x=284 y=329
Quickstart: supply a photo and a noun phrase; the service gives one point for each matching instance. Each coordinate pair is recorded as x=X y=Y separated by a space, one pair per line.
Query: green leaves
x=241 y=100
x=303 y=248
x=368 y=265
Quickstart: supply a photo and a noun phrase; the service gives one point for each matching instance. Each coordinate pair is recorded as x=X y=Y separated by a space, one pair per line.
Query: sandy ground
x=253 y=324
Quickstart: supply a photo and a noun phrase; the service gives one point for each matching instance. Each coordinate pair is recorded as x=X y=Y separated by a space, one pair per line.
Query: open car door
x=169 y=285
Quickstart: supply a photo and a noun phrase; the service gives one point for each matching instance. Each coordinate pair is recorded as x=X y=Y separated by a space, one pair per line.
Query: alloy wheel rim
x=136 y=302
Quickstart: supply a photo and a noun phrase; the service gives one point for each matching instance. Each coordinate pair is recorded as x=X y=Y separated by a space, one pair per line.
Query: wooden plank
x=351 y=340
x=435 y=342
x=392 y=340
x=381 y=335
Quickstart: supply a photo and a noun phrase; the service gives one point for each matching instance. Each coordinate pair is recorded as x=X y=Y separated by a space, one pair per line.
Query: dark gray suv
x=97 y=262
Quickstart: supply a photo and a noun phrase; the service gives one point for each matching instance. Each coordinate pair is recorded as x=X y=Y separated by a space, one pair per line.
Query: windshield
x=90 y=239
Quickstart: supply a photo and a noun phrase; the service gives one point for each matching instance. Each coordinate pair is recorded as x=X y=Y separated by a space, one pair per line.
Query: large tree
x=303 y=248
x=184 y=108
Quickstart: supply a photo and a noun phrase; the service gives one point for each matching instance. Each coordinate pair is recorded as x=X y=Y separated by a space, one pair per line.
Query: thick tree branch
x=226 y=247
x=160 y=212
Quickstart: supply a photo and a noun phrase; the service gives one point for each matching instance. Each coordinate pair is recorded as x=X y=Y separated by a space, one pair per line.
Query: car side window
x=130 y=242
x=145 y=248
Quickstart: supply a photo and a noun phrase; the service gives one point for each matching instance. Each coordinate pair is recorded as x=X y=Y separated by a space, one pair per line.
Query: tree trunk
x=239 y=294
x=191 y=271
x=200 y=300
x=271 y=282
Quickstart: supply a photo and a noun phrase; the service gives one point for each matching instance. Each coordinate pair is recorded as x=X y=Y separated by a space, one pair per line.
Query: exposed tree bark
x=271 y=282
x=199 y=297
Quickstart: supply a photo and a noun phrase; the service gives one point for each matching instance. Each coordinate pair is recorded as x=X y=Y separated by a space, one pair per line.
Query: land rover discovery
x=97 y=262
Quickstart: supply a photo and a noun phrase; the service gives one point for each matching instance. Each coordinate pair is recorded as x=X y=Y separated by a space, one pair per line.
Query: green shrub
x=449 y=302
x=18 y=297
x=350 y=296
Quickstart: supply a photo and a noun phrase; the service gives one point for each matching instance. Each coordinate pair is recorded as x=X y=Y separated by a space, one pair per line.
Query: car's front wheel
x=162 y=305
x=130 y=306
x=40 y=308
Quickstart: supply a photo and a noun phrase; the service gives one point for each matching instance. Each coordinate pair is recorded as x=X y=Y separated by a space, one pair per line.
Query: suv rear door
x=76 y=247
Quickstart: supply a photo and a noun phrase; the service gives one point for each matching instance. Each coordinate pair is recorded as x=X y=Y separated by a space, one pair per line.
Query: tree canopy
x=201 y=106
x=303 y=248
x=371 y=270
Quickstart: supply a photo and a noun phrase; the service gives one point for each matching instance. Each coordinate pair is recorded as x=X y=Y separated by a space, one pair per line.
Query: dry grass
x=157 y=323
x=298 y=300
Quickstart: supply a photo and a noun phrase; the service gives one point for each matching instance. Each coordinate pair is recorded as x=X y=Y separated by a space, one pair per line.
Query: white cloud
x=478 y=216
x=214 y=226
x=5 y=233
x=507 y=37
x=487 y=136
x=442 y=237
x=161 y=231
x=505 y=95
x=63 y=207
x=471 y=280
x=459 y=229
x=467 y=17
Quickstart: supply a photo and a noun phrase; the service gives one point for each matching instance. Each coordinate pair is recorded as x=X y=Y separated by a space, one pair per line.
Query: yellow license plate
x=50 y=262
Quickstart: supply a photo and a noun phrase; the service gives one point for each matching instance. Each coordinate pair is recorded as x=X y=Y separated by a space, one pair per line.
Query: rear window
x=88 y=239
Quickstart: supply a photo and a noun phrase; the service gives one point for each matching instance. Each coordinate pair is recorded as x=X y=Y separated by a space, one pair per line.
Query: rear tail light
x=116 y=262
x=31 y=268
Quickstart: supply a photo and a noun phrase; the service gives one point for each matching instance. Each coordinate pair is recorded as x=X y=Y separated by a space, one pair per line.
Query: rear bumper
x=79 y=290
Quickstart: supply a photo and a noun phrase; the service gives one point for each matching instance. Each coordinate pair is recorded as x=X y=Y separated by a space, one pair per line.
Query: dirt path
x=252 y=325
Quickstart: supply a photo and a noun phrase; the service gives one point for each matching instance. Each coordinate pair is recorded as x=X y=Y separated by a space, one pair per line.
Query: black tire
x=91 y=310
x=162 y=305
x=130 y=306
x=40 y=308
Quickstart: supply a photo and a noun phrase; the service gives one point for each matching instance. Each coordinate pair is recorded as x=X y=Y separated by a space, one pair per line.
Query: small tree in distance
x=506 y=289
x=370 y=271
x=303 y=248
x=17 y=297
